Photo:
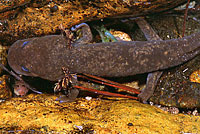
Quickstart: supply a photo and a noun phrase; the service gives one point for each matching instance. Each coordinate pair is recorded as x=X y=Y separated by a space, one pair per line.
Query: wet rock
x=5 y=91
x=3 y=56
x=41 y=113
x=176 y=89
x=35 y=18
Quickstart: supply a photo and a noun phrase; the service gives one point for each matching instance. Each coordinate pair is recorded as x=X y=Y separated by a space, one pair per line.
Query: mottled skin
x=45 y=56
x=152 y=77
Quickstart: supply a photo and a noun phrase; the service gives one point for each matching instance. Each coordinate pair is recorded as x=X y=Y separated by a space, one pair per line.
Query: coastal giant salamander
x=45 y=56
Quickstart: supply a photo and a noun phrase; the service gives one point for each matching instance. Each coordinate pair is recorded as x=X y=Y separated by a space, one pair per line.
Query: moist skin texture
x=45 y=56
x=152 y=77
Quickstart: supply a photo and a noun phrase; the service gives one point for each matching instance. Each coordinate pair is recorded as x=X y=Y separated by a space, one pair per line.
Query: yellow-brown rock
x=195 y=76
x=3 y=55
x=42 y=113
x=5 y=91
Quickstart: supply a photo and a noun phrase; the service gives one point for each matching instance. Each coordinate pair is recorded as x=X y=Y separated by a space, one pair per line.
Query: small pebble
x=195 y=112
x=2 y=100
x=88 y=98
x=151 y=103
x=54 y=8
x=130 y=124
x=79 y=127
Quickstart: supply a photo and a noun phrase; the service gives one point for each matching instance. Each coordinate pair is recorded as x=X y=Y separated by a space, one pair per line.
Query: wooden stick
x=113 y=84
x=185 y=17
x=105 y=93
x=19 y=78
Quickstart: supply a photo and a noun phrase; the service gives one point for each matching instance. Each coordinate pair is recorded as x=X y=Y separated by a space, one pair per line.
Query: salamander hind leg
x=148 y=91
x=152 y=78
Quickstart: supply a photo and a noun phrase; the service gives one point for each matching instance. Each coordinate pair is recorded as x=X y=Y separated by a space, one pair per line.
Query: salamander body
x=45 y=56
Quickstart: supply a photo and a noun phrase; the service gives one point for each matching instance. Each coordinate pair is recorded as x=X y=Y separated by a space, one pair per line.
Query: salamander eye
x=25 y=69
x=25 y=43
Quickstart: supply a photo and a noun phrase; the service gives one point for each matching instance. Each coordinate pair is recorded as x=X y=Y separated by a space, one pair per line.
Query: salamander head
x=37 y=57
x=17 y=57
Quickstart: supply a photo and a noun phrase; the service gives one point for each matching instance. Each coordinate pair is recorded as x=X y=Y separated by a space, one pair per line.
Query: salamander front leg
x=86 y=33
x=148 y=91
x=70 y=97
x=66 y=84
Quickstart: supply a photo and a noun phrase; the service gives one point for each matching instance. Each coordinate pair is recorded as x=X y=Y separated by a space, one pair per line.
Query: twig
x=112 y=83
x=106 y=93
x=185 y=17
x=19 y=78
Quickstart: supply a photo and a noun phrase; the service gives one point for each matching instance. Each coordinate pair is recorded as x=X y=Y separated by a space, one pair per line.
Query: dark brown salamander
x=45 y=56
